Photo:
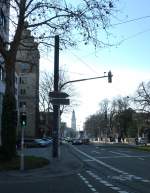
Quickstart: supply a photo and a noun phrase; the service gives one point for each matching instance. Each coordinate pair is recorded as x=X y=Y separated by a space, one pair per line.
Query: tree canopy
x=74 y=22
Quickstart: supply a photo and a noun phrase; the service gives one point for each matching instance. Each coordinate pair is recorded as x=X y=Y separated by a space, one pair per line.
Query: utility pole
x=56 y=107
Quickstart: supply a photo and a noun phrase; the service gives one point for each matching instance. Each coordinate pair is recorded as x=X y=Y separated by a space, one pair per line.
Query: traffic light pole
x=23 y=124
x=56 y=107
x=22 y=149
x=109 y=76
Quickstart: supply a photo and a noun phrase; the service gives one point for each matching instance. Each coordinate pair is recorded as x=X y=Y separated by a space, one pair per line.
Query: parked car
x=28 y=142
x=41 y=142
x=77 y=142
x=47 y=140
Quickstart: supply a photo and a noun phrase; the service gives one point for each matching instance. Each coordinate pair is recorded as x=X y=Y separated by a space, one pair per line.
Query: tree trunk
x=9 y=114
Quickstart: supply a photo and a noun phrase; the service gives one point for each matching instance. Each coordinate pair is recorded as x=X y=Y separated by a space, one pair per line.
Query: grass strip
x=30 y=162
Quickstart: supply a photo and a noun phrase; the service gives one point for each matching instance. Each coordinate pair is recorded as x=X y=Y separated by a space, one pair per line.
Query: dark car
x=86 y=141
x=77 y=142
x=27 y=143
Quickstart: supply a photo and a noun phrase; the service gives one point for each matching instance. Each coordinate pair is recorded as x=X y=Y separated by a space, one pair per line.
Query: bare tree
x=142 y=97
x=74 y=22
x=46 y=86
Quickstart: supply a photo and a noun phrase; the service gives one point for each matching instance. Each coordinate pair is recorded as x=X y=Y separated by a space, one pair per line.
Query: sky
x=128 y=60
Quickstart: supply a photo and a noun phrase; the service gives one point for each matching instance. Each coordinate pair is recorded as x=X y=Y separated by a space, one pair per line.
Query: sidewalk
x=67 y=164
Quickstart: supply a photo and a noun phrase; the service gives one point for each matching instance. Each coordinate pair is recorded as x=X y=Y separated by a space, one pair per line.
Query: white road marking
x=141 y=158
x=96 y=152
x=115 y=188
x=122 y=154
x=146 y=181
x=93 y=189
x=108 y=166
x=87 y=183
x=88 y=160
x=104 y=182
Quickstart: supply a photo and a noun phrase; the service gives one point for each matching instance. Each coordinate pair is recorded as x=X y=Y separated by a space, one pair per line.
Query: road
x=116 y=169
x=106 y=169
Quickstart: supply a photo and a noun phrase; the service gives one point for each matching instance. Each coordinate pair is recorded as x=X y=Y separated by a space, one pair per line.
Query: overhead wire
x=87 y=65
x=131 y=20
x=132 y=36
x=125 y=39
x=135 y=35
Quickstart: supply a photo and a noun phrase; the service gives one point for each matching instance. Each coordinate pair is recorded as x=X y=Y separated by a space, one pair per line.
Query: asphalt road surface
x=115 y=169
x=106 y=169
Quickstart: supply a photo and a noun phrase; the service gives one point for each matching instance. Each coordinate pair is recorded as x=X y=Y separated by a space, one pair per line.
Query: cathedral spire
x=73 y=121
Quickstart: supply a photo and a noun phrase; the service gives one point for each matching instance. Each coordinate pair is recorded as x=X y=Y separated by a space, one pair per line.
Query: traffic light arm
x=92 y=78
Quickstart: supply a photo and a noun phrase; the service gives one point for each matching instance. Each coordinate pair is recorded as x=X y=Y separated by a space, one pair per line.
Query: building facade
x=28 y=85
x=4 y=36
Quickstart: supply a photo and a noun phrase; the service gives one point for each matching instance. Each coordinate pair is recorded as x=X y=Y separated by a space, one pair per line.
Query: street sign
x=60 y=101
x=58 y=94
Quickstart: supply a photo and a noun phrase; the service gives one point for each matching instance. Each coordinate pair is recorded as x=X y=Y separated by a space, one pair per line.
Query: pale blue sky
x=128 y=61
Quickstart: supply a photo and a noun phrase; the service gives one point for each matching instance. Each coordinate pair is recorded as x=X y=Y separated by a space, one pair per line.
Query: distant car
x=141 y=140
x=77 y=142
x=69 y=140
x=86 y=141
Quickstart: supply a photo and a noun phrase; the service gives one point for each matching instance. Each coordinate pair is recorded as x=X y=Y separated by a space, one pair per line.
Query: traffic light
x=110 y=77
x=23 y=119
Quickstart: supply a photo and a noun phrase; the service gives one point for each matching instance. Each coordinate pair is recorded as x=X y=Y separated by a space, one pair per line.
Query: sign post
x=56 y=107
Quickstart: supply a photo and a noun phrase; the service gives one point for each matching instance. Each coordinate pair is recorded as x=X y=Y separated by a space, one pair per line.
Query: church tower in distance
x=73 y=121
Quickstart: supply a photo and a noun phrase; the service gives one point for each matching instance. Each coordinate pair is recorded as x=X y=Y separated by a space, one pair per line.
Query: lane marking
x=98 y=161
x=88 y=160
x=104 y=182
x=87 y=183
x=122 y=154
x=96 y=152
x=108 y=166
x=141 y=158
x=115 y=188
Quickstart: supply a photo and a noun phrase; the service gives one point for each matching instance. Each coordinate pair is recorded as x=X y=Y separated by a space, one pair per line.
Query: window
x=16 y=91
x=25 y=67
x=23 y=80
x=22 y=104
x=1 y=73
x=16 y=79
x=22 y=91
x=2 y=18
